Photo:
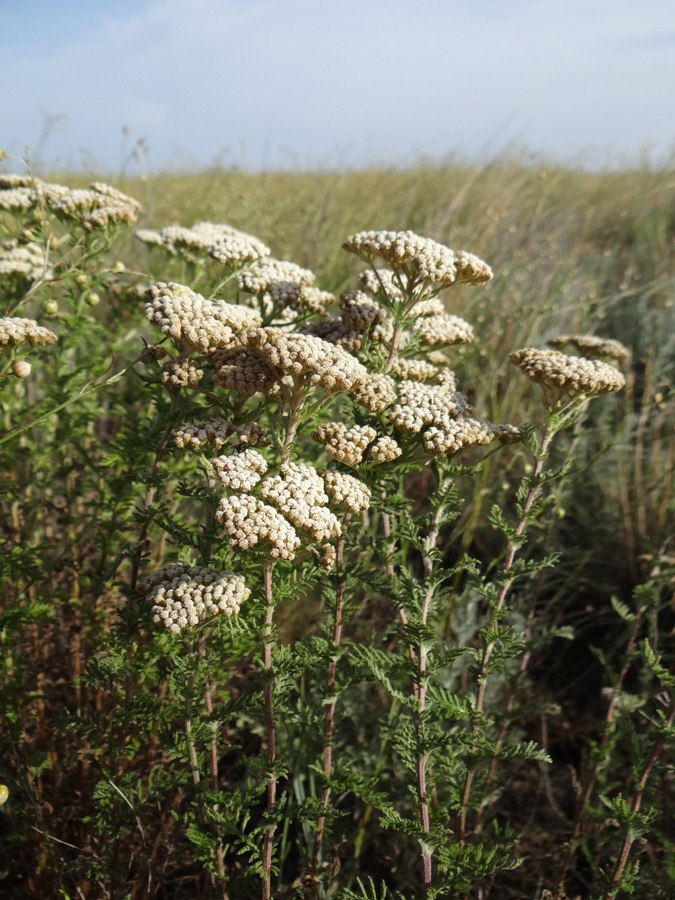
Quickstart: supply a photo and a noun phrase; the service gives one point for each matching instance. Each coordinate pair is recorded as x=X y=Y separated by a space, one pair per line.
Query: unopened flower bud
x=81 y=278
x=92 y=298
x=119 y=266
x=21 y=368
x=51 y=307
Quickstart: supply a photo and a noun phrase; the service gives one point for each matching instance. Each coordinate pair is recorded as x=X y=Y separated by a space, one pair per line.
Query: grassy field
x=572 y=252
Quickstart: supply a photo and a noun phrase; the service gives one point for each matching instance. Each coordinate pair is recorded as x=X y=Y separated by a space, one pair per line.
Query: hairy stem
x=495 y=611
x=269 y=722
x=330 y=691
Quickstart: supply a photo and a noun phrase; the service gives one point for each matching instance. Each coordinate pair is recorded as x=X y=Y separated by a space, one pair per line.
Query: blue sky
x=300 y=83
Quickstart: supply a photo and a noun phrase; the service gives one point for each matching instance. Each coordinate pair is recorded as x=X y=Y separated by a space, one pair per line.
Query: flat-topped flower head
x=186 y=316
x=346 y=445
x=359 y=312
x=592 y=347
x=565 y=377
x=434 y=330
x=385 y=449
x=243 y=370
x=282 y=279
x=98 y=206
x=183 y=596
x=241 y=470
x=420 y=405
x=471 y=269
x=214 y=432
x=298 y=492
x=329 y=367
x=21 y=193
x=345 y=490
x=238 y=249
x=377 y=393
x=152 y=238
x=25 y=261
x=14 y=331
x=457 y=434
x=381 y=282
x=181 y=372
x=413 y=369
x=248 y=521
x=334 y=330
x=432 y=307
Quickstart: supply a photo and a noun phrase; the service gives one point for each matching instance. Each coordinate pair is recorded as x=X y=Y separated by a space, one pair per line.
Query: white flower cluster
x=346 y=445
x=240 y=369
x=456 y=435
x=181 y=372
x=283 y=280
x=183 y=596
x=14 y=330
x=419 y=258
x=238 y=249
x=377 y=393
x=334 y=330
x=98 y=206
x=330 y=368
x=385 y=449
x=413 y=369
x=345 y=490
x=420 y=405
x=382 y=282
x=567 y=375
x=247 y=520
x=299 y=495
x=21 y=193
x=27 y=261
x=592 y=347
x=213 y=431
x=442 y=329
x=432 y=307
x=188 y=317
x=241 y=470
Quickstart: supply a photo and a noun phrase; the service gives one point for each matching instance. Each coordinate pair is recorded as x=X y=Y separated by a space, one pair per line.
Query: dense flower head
x=151 y=238
x=420 y=405
x=442 y=329
x=21 y=193
x=345 y=490
x=385 y=449
x=419 y=258
x=561 y=375
x=98 y=206
x=377 y=393
x=592 y=347
x=413 y=369
x=14 y=330
x=247 y=521
x=346 y=445
x=330 y=367
x=186 y=316
x=298 y=492
x=456 y=435
x=334 y=330
x=183 y=596
x=359 y=312
x=380 y=282
x=238 y=249
x=243 y=370
x=26 y=261
x=241 y=470
x=214 y=431
x=432 y=307
x=181 y=372
x=282 y=279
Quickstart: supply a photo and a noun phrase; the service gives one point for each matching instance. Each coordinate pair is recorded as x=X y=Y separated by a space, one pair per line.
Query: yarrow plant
x=308 y=678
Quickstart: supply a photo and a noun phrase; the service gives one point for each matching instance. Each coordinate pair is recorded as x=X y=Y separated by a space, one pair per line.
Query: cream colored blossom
x=241 y=470
x=238 y=249
x=382 y=282
x=592 y=347
x=359 y=312
x=377 y=393
x=432 y=307
x=456 y=435
x=283 y=280
x=344 y=444
x=334 y=330
x=213 y=431
x=181 y=372
x=385 y=449
x=330 y=367
x=183 y=596
x=299 y=495
x=420 y=405
x=561 y=375
x=442 y=329
x=345 y=490
x=241 y=369
x=247 y=521
x=413 y=369
x=188 y=317
x=15 y=331
x=26 y=261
